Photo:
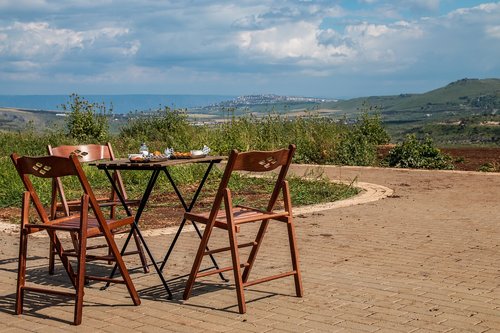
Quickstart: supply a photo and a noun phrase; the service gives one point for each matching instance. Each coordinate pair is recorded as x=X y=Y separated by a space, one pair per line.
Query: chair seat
x=73 y=224
x=241 y=215
x=74 y=205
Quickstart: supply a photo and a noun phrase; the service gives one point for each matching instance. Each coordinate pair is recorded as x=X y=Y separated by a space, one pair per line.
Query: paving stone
x=425 y=260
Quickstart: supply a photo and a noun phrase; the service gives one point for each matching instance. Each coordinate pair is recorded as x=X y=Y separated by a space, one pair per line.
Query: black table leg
x=188 y=209
x=135 y=226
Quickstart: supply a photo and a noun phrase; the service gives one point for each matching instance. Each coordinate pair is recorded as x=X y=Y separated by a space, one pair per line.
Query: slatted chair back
x=85 y=154
x=255 y=161
x=44 y=167
x=55 y=167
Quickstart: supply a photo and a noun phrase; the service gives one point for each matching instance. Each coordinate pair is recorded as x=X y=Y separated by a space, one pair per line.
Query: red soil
x=466 y=158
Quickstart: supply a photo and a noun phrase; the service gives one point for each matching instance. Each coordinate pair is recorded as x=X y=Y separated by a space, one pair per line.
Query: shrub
x=160 y=128
x=86 y=121
x=370 y=126
x=355 y=149
x=489 y=167
x=319 y=140
x=357 y=144
x=419 y=154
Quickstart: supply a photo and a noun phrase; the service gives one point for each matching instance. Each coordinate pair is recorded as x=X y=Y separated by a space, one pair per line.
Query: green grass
x=246 y=190
x=304 y=191
x=319 y=140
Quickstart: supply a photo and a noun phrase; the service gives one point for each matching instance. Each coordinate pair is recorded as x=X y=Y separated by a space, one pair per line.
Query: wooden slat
x=220 y=270
x=223 y=249
x=269 y=278
x=105 y=279
x=50 y=291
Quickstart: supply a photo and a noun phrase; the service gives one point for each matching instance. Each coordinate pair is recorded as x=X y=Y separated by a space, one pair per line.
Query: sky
x=317 y=48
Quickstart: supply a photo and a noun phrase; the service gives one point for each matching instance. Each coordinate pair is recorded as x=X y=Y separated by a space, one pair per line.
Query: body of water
x=120 y=103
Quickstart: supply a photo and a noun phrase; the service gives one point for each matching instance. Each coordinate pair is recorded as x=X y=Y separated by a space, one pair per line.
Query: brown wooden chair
x=83 y=223
x=90 y=153
x=231 y=218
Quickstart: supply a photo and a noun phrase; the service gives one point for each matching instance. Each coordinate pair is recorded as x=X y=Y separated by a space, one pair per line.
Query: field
x=471 y=158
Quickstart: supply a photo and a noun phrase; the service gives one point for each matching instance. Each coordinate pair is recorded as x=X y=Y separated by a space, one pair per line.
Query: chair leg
x=235 y=255
x=21 y=271
x=236 y=268
x=80 y=278
x=140 y=250
x=292 y=239
x=197 y=261
x=52 y=255
x=58 y=248
x=53 y=252
x=123 y=269
x=255 y=249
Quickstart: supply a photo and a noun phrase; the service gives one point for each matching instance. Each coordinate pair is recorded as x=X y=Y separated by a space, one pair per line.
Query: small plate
x=139 y=158
x=186 y=155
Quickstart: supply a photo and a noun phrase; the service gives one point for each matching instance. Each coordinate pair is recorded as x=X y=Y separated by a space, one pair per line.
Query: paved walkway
x=424 y=259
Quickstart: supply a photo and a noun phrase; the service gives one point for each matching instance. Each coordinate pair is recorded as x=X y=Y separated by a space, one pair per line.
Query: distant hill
x=18 y=119
x=473 y=93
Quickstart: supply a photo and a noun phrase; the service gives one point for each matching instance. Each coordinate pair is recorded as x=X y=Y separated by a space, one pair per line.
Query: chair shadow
x=33 y=303
x=158 y=292
x=201 y=288
x=38 y=275
x=9 y=261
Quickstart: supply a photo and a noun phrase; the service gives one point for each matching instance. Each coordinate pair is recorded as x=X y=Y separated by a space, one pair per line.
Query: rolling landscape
x=463 y=112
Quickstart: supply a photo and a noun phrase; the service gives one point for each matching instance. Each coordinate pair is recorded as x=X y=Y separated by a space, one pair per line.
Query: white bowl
x=197 y=153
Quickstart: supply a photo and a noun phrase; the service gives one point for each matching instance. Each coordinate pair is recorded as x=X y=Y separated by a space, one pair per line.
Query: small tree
x=86 y=121
x=370 y=125
x=418 y=154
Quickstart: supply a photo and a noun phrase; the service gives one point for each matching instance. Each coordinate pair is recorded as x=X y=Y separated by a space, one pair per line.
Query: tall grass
x=319 y=140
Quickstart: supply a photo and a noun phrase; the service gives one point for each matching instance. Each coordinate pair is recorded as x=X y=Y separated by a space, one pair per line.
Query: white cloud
x=306 y=45
x=389 y=47
x=37 y=38
x=107 y=41
x=296 y=42
x=39 y=42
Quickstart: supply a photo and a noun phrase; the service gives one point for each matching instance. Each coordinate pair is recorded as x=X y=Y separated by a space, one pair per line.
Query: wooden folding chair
x=231 y=218
x=90 y=153
x=82 y=223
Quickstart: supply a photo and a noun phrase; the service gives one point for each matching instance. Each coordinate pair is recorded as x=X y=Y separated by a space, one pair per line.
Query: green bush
x=370 y=127
x=355 y=149
x=86 y=121
x=489 y=167
x=160 y=129
x=418 y=154
x=319 y=140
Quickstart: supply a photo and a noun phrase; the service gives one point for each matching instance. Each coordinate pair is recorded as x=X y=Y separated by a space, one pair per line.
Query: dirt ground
x=471 y=158
x=465 y=158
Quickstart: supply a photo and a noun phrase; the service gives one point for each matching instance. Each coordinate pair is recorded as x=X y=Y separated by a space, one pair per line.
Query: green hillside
x=459 y=94
x=463 y=112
